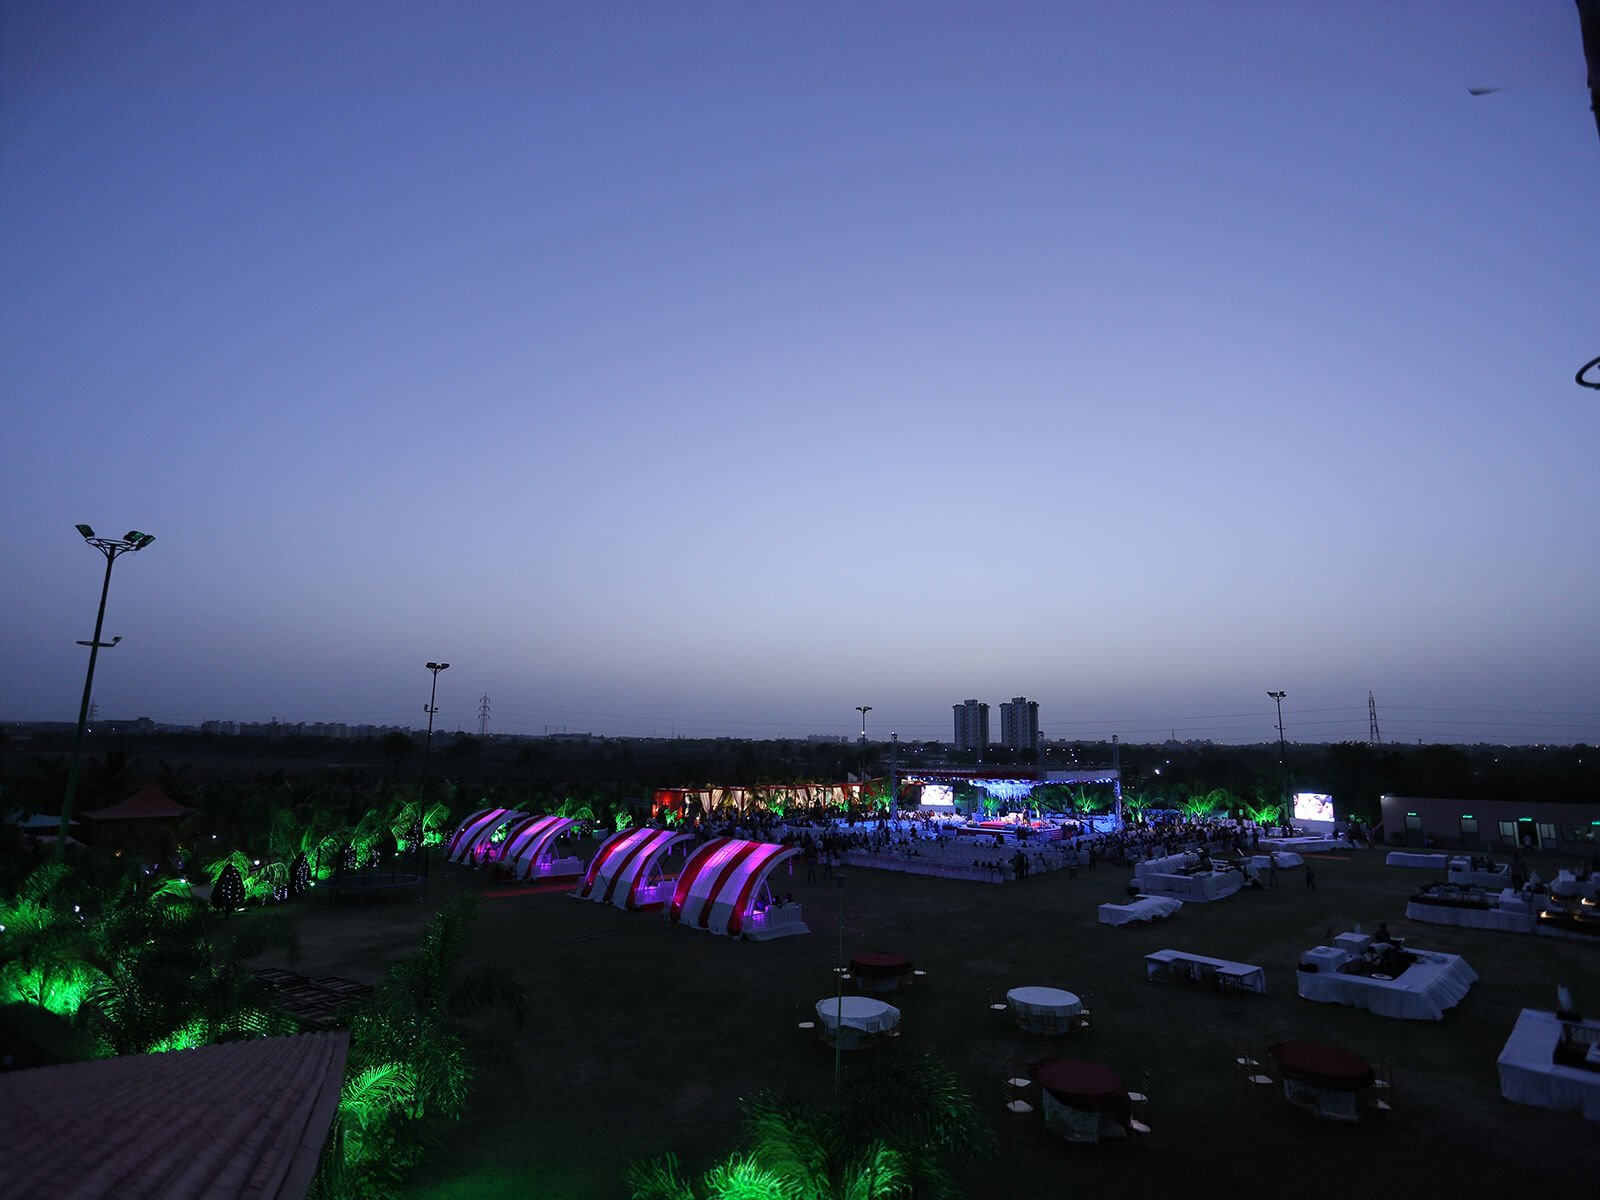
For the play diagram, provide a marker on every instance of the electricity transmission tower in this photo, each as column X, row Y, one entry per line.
column 483, row 715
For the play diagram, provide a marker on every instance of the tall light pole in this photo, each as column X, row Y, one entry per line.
column 427, row 748
column 863, row 709
column 1283, row 761
column 111, row 548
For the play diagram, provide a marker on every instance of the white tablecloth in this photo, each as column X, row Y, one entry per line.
column 1326, row 958
column 1493, row 879
column 1567, row 885
column 1211, row 885
column 1527, row 1076
column 1471, row 918
column 1171, row 864
column 1044, row 1009
column 1308, row 845
column 858, row 1012
column 1402, row 858
column 1422, row 993
column 1142, row 908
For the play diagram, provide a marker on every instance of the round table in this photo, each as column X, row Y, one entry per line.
column 1323, row 1066
column 1044, row 1009
column 1323, row 1080
column 850, row 1017
column 1084, row 1086
column 879, row 970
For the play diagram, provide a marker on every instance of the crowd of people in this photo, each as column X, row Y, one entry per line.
column 932, row 843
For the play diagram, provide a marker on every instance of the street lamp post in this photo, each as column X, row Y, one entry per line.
column 863, row 709
column 111, row 548
column 1283, row 761
column 427, row 747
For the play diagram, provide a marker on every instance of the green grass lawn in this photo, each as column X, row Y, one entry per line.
column 645, row 1036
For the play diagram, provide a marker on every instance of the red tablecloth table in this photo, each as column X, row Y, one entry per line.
column 1092, row 1087
column 879, row 970
column 879, row 962
column 1323, row 1066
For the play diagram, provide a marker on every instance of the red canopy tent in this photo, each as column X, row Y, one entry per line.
column 150, row 812
column 149, row 804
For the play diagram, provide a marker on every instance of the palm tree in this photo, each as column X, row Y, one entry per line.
column 901, row 1118
column 411, row 1022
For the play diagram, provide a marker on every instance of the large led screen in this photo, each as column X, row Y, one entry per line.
column 1313, row 806
column 938, row 795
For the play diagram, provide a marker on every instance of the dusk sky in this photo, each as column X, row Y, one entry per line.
column 714, row 368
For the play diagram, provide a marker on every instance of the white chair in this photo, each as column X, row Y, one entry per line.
column 1016, row 1084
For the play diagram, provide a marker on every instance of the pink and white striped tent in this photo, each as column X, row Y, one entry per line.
column 474, row 839
column 721, row 883
column 529, row 849
column 626, row 870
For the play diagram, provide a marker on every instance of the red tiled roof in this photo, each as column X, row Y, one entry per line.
column 151, row 802
column 241, row 1119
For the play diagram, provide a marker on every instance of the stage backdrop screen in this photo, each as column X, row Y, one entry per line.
column 938, row 795
column 1313, row 806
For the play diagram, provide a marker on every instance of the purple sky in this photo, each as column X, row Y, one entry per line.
column 715, row 368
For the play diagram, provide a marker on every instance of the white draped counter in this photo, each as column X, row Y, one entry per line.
column 1507, row 916
column 1202, row 887
column 1421, row 993
column 1569, row 886
column 1431, row 862
column 1462, row 872
column 1140, row 908
column 1529, row 1076
column 1307, row 845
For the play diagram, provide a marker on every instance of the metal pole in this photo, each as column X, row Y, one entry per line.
column 838, row 1003
column 863, row 709
column 1283, row 761
column 427, row 747
column 83, row 710
column 894, row 774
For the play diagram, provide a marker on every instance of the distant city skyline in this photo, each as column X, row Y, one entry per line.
column 1400, row 724
column 718, row 369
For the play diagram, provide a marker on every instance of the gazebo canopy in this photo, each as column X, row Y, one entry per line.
column 150, row 804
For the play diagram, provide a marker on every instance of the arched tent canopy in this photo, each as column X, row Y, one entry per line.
column 721, row 882
column 627, row 867
column 529, row 845
column 475, row 835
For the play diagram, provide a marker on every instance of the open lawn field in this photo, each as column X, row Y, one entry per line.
column 644, row 1036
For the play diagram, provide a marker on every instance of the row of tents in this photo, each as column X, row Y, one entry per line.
column 722, row 885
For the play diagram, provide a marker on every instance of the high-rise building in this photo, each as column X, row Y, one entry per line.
column 972, row 725
column 1019, row 724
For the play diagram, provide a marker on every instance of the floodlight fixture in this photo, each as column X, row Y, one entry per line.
column 86, row 531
